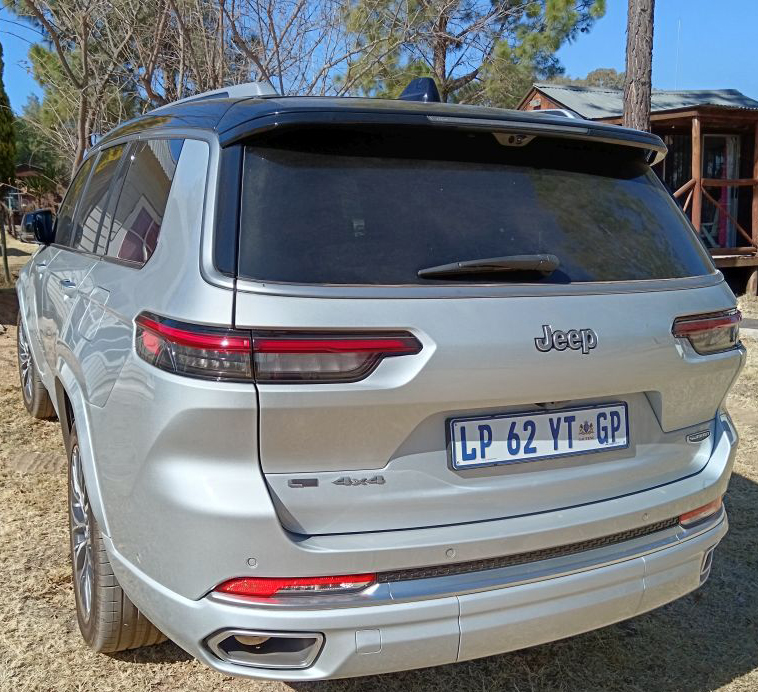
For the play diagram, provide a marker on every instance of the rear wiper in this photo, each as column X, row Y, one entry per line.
column 542, row 264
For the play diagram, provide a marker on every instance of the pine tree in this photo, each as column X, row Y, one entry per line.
column 477, row 51
column 7, row 159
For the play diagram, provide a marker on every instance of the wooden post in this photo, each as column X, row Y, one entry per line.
column 751, row 288
column 697, row 173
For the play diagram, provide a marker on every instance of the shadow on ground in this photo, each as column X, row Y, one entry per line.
column 18, row 252
column 696, row 644
column 8, row 305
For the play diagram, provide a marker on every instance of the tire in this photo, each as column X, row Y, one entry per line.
column 108, row 620
column 35, row 396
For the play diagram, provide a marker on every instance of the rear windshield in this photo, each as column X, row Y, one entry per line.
column 335, row 206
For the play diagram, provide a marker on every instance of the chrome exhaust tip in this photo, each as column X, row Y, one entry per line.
column 705, row 569
column 282, row 650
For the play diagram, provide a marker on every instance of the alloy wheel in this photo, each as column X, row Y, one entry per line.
column 25, row 365
column 81, row 535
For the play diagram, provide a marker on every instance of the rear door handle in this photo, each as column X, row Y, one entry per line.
column 41, row 266
column 67, row 284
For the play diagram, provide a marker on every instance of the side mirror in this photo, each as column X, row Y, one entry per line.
column 41, row 223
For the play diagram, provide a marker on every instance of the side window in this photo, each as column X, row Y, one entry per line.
column 65, row 219
column 142, row 201
column 91, row 212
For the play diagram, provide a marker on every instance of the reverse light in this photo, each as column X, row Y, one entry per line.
column 196, row 351
column 267, row 587
column 282, row 357
column 701, row 513
column 710, row 333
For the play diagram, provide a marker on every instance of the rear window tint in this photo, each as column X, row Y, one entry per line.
column 64, row 223
column 376, row 206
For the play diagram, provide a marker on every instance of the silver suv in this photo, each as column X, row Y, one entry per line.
column 350, row 386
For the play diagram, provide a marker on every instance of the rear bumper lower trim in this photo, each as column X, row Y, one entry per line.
column 439, row 630
column 392, row 587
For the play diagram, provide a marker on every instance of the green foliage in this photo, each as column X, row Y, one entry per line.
column 35, row 148
column 478, row 51
column 57, row 113
column 7, row 159
column 603, row 77
column 7, row 133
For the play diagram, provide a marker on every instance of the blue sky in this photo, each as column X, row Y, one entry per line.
column 717, row 43
column 16, row 38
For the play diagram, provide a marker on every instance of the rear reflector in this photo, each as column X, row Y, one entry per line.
column 266, row 587
column 710, row 333
column 196, row 351
column 322, row 357
column 701, row 513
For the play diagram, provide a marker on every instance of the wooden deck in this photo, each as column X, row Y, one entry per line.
column 738, row 258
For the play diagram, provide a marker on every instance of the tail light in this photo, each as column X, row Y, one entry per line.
column 701, row 513
column 710, row 333
column 279, row 357
column 268, row 587
column 192, row 350
column 319, row 357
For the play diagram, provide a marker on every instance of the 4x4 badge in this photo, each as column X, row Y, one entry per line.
column 575, row 339
column 350, row 481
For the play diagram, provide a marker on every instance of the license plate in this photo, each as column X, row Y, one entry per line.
column 514, row 438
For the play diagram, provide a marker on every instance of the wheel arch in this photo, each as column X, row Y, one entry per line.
column 72, row 409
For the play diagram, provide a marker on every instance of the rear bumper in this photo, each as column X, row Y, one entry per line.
column 390, row 637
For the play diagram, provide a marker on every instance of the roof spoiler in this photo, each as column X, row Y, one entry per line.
column 655, row 149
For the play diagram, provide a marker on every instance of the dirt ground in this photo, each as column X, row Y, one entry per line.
column 706, row 641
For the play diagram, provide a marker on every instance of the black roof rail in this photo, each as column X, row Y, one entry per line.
column 246, row 89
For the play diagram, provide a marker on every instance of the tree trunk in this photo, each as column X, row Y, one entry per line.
column 639, row 64
column 4, row 244
column 82, row 135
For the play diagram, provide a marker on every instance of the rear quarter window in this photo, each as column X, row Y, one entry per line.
column 376, row 206
column 142, row 199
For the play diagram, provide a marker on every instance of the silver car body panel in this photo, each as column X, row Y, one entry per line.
column 393, row 422
column 436, row 631
column 189, row 479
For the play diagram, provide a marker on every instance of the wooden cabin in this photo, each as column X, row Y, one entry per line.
column 711, row 167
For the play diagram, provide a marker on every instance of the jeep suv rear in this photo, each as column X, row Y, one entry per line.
column 352, row 386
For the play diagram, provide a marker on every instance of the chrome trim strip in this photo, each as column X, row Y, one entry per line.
column 479, row 290
column 214, row 640
column 486, row 580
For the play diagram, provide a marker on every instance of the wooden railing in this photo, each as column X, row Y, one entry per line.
column 695, row 188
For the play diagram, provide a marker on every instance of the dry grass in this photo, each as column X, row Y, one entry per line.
column 706, row 641
column 749, row 306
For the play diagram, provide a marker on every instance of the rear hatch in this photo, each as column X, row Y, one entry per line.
column 514, row 387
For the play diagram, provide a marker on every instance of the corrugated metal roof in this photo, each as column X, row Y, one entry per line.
column 594, row 102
